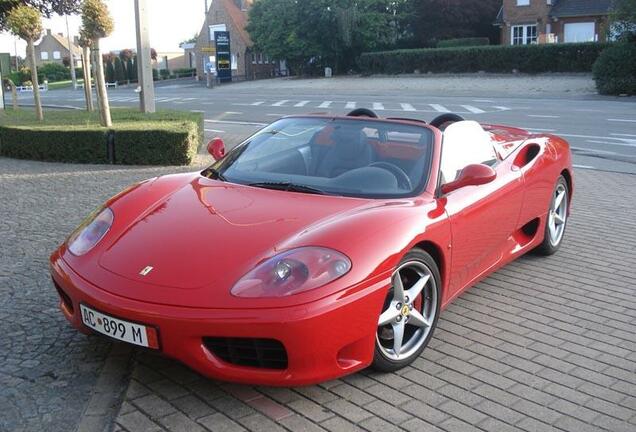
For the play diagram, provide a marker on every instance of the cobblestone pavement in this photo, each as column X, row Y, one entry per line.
column 47, row 369
column 544, row 344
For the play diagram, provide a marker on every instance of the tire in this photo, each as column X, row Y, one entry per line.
column 556, row 220
column 416, row 316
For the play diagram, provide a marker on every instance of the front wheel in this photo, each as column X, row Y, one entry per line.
column 556, row 219
column 410, row 312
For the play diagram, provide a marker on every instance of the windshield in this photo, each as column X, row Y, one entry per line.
column 357, row 157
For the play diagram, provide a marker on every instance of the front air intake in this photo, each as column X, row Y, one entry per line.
column 260, row 353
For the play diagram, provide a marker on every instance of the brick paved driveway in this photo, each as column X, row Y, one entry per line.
column 544, row 344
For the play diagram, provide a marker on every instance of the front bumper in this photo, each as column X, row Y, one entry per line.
column 324, row 340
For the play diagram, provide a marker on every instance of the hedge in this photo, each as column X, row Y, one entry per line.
column 615, row 70
column 506, row 59
column 463, row 42
column 162, row 138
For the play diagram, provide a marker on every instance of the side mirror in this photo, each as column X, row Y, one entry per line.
column 471, row 175
column 216, row 148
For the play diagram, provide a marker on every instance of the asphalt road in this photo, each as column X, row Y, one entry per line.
column 601, row 131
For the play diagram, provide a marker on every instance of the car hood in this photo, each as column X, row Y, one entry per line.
column 200, row 236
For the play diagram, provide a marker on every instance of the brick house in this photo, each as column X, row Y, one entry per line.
column 231, row 16
column 53, row 48
column 549, row 21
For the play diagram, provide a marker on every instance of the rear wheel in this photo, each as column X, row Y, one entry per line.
column 556, row 219
column 410, row 312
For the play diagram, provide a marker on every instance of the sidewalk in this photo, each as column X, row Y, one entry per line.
column 544, row 344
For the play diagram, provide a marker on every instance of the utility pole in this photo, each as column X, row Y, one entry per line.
column 71, row 56
column 144, row 66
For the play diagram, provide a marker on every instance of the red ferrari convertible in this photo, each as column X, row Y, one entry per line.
column 317, row 247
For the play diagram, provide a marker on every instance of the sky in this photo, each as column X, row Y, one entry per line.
column 170, row 22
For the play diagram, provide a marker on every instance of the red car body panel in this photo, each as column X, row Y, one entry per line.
column 202, row 235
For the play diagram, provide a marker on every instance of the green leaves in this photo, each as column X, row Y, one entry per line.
column 96, row 20
column 25, row 22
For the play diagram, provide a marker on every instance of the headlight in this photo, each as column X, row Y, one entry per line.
column 90, row 232
column 293, row 272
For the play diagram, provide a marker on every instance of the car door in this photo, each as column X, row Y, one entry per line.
column 482, row 219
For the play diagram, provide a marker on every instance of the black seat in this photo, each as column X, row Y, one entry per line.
column 350, row 150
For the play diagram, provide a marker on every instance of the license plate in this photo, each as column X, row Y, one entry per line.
column 119, row 329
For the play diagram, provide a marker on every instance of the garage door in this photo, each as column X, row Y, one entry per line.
column 579, row 32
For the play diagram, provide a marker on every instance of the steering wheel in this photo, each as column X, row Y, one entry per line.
column 404, row 182
column 440, row 120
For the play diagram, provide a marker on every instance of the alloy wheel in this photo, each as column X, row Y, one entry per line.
column 558, row 214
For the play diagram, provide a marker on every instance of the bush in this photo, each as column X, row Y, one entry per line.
column 523, row 58
column 162, row 138
column 184, row 71
column 615, row 70
column 155, row 74
column 463, row 42
column 54, row 72
column 164, row 73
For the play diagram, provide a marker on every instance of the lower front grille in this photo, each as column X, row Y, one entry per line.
column 66, row 300
column 261, row 353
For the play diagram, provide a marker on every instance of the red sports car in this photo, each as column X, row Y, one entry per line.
column 317, row 247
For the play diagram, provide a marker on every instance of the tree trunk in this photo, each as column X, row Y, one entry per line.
column 100, row 84
column 34, row 81
column 88, row 88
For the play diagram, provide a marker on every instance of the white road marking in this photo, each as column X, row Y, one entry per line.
column 622, row 120
column 588, row 150
column 543, row 116
column 620, row 144
column 473, row 109
column 190, row 99
column 407, row 107
column 483, row 100
column 233, row 112
column 280, row 103
column 235, row 122
column 197, row 111
column 207, row 103
column 502, row 108
column 350, row 105
column 537, row 129
column 275, row 115
column 215, row 130
column 439, row 108
column 622, row 134
column 583, row 166
column 595, row 137
column 302, row 103
column 325, row 104
column 258, row 103
column 378, row 106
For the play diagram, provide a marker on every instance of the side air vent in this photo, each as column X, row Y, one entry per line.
column 527, row 154
column 260, row 353
column 66, row 300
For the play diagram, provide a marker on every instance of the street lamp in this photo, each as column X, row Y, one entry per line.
column 144, row 67
column 71, row 56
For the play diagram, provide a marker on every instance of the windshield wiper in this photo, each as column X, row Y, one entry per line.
column 288, row 187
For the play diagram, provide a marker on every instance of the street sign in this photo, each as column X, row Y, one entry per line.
column 223, row 56
column 208, row 50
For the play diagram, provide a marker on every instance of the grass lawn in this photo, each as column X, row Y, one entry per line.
column 61, row 84
column 163, row 138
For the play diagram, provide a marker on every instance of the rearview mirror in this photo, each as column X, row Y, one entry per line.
column 471, row 175
column 216, row 147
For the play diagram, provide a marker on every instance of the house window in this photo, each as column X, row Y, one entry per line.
column 260, row 58
column 44, row 55
column 266, row 59
column 523, row 2
column 234, row 63
column 523, row 34
column 56, row 55
column 253, row 58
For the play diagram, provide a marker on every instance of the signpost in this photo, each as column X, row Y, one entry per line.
column 223, row 56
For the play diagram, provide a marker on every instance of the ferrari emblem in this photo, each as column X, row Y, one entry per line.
column 405, row 311
column 146, row 270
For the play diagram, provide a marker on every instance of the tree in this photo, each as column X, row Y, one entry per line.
column 120, row 73
column 96, row 24
column 623, row 20
column 131, row 70
column 45, row 7
column 85, row 43
column 109, row 69
column 25, row 22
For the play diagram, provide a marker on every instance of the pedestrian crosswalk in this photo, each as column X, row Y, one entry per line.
column 327, row 105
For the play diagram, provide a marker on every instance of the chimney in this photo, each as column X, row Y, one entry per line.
column 60, row 34
column 48, row 32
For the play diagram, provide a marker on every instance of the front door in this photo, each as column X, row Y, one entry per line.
column 482, row 219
